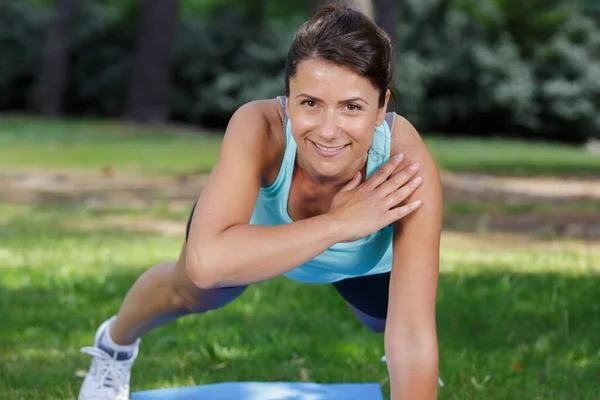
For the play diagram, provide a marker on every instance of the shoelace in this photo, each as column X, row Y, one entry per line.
column 108, row 371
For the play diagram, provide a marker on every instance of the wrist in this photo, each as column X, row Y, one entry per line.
column 332, row 228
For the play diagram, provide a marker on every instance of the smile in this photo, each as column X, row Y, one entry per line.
column 328, row 151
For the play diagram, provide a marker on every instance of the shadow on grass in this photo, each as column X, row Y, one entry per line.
column 534, row 335
column 502, row 334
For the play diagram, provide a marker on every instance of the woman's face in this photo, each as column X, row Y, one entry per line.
column 333, row 113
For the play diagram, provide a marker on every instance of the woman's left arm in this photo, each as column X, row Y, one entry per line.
column 411, row 345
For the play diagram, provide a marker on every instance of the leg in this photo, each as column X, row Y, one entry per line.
column 161, row 295
column 375, row 324
column 367, row 297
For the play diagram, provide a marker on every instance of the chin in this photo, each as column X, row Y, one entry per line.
column 329, row 169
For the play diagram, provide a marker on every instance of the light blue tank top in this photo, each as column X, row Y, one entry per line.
column 366, row 256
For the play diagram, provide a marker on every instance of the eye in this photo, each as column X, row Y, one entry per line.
column 309, row 103
column 353, row 107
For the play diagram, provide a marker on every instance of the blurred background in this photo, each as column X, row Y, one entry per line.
column 112, row 114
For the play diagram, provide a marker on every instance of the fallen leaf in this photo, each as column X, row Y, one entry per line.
column 220, row 365
column 516, row 366
column 107, row 171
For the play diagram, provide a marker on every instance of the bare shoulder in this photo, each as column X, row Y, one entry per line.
column 406, row 140
column 258, row 116
column 259, row 125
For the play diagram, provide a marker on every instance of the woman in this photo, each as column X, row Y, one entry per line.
column 320, row 186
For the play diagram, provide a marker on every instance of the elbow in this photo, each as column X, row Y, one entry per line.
column 200, row 269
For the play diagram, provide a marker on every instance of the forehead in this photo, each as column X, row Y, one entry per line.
column 321, row 77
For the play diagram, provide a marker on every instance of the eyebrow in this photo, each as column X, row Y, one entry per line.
column 350, row 100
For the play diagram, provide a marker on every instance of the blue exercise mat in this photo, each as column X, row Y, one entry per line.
column 267, row 391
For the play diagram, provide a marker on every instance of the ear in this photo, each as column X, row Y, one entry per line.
column 383, row 109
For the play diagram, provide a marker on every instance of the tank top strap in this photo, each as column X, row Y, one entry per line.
column 282, row 101
column 286, row 168
column 379, row 152
column 389, row 118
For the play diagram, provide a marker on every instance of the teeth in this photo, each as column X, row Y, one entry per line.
column 329, row 149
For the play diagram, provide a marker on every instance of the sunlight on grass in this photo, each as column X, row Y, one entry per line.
column 516, row 316
column 87, row 145
column 511, row 157
column 27, row 143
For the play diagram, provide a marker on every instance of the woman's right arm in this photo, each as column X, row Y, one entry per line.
column 223, row 249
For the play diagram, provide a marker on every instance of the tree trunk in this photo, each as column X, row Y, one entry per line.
column 148, row 99
column 364, row 6
column 387, row 17
column 52, row 76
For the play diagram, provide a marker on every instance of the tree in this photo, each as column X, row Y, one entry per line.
column 386, row 12
column 51, row 79
column 364, row 6
column 148, row 99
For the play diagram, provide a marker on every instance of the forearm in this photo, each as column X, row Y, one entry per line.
column 413, row 369
column 244, row 254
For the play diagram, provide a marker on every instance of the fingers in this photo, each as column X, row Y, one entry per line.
column 398, row 180
column 397, row 213
column 383, row 173
column 402, row 193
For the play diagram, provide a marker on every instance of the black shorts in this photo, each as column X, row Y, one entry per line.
column 367, row 293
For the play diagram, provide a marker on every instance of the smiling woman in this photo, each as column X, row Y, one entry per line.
column 320, row 186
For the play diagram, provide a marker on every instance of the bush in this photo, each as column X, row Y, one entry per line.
column 464, row 66
column 462, row 70
column 21, row 41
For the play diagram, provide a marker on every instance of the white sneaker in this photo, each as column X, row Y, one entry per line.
column 107, row 378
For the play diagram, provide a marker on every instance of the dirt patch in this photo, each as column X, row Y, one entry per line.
column 105, row 189
column 522, row 188
column 119, row 222
column 101, row 190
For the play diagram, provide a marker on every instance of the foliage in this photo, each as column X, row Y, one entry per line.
column 464, row 66
column 21, row 33
column 479, row 67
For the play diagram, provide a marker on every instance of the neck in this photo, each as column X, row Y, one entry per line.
column 333, row 183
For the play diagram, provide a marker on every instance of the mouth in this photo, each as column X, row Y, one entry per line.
column 328, row 151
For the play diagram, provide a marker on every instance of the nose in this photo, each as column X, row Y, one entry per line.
column 329, row 128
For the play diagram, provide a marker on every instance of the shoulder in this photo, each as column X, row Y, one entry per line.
column 406, row 140
column 260, row 117
column 259, row 125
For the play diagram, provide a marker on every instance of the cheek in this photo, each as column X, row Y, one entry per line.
column 360, row 129
column 302, row 122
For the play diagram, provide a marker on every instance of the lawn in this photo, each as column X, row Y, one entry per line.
column 55, row 144
column 517, row 317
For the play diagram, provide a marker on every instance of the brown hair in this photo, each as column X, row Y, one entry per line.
column 344, row 37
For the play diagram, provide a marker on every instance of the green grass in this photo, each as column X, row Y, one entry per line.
column 527, row 317
column 512, row 157
column 27, row 143
column 90, row 145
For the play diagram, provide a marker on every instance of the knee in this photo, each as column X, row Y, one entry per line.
column 376, row 325
column 202, row 300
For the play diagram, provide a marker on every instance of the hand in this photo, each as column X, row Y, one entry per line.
column 361, row 209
